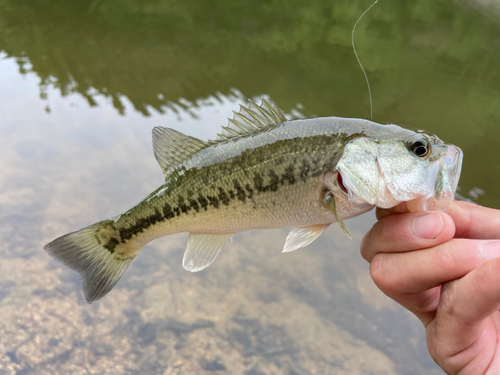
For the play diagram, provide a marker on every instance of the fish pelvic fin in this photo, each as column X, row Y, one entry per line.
column 99, row 264
column 301, row 237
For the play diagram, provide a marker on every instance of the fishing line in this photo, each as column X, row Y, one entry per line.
column 359, row 62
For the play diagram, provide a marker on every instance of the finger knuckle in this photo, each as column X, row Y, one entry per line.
column 481, row 282
column 424, row 301
column 448, row 361
column 381, row 273
column 439, row 349
column 448, row 301
column 376, row 240
column 377, row 269
column 386, row 231
column 445, row 256
column 433, row 344
column 364, row 246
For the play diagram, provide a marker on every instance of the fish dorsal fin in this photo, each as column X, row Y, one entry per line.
column 301, row 237
column 250, row 120
column 203, row 248
column 172, row 147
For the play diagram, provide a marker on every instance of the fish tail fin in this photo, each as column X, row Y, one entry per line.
column 99, row 264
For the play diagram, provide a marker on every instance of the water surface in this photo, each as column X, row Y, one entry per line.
column 81, row 87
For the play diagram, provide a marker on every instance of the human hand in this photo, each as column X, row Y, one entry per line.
column 445, row 268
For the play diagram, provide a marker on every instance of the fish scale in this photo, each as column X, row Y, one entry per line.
column 263, row 172
column 248, row 203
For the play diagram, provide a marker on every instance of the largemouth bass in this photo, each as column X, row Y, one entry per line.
column 263, row 171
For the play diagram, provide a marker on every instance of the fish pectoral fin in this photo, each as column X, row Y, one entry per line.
column 203, row 248
column 329, row 204
column 301, row 237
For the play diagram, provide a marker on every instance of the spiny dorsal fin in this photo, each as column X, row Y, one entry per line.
column 172, row 147
column 250, row 120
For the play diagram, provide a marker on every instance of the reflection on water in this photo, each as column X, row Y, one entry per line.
column 81, row 87
column 432, row 64
column 254, row 311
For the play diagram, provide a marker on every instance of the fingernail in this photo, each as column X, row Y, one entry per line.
column 428, row 226
column 490, row 250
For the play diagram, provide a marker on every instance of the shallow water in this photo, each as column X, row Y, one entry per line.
column 81, row 87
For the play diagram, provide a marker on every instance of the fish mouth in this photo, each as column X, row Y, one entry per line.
column 438, row 182
column 442, row 181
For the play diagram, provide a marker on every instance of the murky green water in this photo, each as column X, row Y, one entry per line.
column 82, row 85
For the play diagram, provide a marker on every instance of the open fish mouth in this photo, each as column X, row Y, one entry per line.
column 442, row 182
column 378, row 175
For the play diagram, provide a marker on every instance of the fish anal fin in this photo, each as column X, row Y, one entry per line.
column 303, row 236
column 172, row 147
column 203, row 248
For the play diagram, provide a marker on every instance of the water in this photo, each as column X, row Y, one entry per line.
column 81, row 87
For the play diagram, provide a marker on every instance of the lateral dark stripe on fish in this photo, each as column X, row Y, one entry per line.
column 223, row 195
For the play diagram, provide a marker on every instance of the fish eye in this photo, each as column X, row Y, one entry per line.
column 420, row 148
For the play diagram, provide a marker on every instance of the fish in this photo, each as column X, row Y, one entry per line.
column 264, row 171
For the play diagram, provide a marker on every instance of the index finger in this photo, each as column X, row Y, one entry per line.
column 474, row 221
column 399, row 209
column 471, row 220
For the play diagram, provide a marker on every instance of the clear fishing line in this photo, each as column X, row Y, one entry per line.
column 359, row 61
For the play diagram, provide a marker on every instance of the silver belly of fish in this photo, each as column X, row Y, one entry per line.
column 264, row 172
